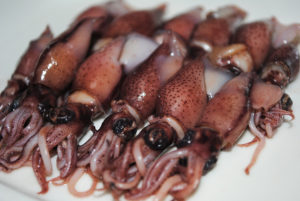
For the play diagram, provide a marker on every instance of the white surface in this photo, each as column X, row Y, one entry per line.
column 276, row 175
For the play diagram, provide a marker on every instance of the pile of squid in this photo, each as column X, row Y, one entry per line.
column 174, row 93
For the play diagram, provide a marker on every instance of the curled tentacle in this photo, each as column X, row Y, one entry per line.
column 194, row 172
column 25, row 121
column 117, row 128
column 187, row 164
column 90, row 95
column 88, row 101
column 269, row 102
column 138, row 95
column 39, row 171
column 72, row 57
column 121, row 185
column 270, row 105
column 84, row 151
column 66, row 156
column 57, row 133
column 123, row 127
column 261, row 142
column 75, row 178
column 16, row 160
column 45, row 154
column 65, row 137
column 87, row 98
column 177, row 110
column 23, row 74
column 178, row 172
column 54, row 72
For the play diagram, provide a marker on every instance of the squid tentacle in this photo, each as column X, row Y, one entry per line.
column 132, row 108
column 174, row 117
column 22, row 77
column 178, row 172
column 281, row 68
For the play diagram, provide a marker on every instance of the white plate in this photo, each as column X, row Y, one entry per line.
column 276, row 175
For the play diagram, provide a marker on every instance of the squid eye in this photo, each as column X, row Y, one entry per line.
column 157, row 138
column 61, row 115
column 124, row 128
column 16, row 103
column 56, row 115
column 121, row 124
column 210, row 163
column 286, row 102
column 183, row 162
column 187, row 139
column 44, row 108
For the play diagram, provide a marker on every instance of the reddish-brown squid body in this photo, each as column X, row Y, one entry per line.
column 178, row 172
column 178, row 107
column 137, row 101
column 23, row 74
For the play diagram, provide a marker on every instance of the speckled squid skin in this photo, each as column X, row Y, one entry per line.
column 143, row 22
column 185, row 23
column 58, row 63
column 214, row 31
column 229, row 112
column 184, row 96
column 97, row 77
column 257, row 37
column 101, row 72
column 140, row 88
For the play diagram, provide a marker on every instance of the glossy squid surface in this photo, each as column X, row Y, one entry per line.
column 23, row 74
column 83, row 103
column 178, row 172
column 137, row 100
column 59, row 60
column 176, row 111
column 92, row 89
column 199, row 85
